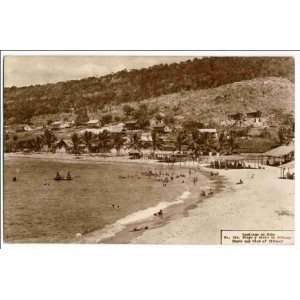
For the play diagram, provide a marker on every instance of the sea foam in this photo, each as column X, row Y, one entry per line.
column 111, row 230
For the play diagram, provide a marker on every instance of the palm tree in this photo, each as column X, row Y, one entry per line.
column 180, row 139
column 104, row 140
column 222, row 141
column 118, row 142
column 154, row 140
column 232, row 141
column 49, row 137
column 75, row 140
column 38, row 143
column 136, row 142
column 87, row 137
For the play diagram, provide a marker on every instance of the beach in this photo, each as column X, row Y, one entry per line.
column 262, row 202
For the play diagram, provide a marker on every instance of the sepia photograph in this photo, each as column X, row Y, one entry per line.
column 148, row 149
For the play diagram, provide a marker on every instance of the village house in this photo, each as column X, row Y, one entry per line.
column 212, row 132
column 93, row 123
column 256, row 115
column 63, row 146
column 135, row 154
column 131, row 125
column 57, row 125
column 253, row 119
column 236, row 116
column 116, row 129
column 279, row 155
column 146, row 139
column 161, row 129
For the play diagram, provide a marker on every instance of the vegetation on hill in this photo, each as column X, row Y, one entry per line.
column 21, row 104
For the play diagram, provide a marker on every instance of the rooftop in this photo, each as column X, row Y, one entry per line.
column 280, row 151
column 209, row 130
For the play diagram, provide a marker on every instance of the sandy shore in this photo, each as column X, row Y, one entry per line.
column 263, row 202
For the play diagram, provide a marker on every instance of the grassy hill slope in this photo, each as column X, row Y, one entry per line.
column 193, row 79
column 272, row 95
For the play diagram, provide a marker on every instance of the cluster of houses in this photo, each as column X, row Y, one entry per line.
column 157, row 136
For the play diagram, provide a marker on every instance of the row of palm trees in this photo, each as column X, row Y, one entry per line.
column 105, row 141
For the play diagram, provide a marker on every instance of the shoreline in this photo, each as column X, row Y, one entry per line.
column 263, row 202
column 114, row 232
column 172, row 213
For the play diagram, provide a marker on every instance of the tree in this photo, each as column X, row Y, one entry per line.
column 180, row 138
column 136, row 142
column 154, row 140
column 81, row 116
column 232, row 141
column 128, row 110
column 117, row 118
column 281, row 135
column 118, row 142
column 169, row 119
column 49, row 138
column 142, row 116
column 104, row 141
column 190, row 125
column 87, row 137
column 222, row 141
column 75, row 140
column 106, row 119
column 38, row 143
column 159, row 117
column 24, row 112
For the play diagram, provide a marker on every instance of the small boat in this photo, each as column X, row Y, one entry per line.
column 69, row 177
column 58, row 177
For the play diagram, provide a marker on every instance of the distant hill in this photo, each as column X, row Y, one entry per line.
column 273, row 96
column 211, row 87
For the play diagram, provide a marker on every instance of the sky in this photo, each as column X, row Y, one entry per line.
column 30, row 70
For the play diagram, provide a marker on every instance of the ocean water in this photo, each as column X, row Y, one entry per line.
column 40, row 209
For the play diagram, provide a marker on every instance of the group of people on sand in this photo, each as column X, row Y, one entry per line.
column 164, row 177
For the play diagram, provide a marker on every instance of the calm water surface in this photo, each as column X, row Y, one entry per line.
column 39, row 209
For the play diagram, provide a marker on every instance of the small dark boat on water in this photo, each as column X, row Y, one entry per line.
column 69, row 177
column 59, row 177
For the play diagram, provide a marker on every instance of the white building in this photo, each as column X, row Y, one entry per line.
column 94, row 123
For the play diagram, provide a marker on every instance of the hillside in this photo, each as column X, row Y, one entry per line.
column 273, row 96
column 203, row 84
